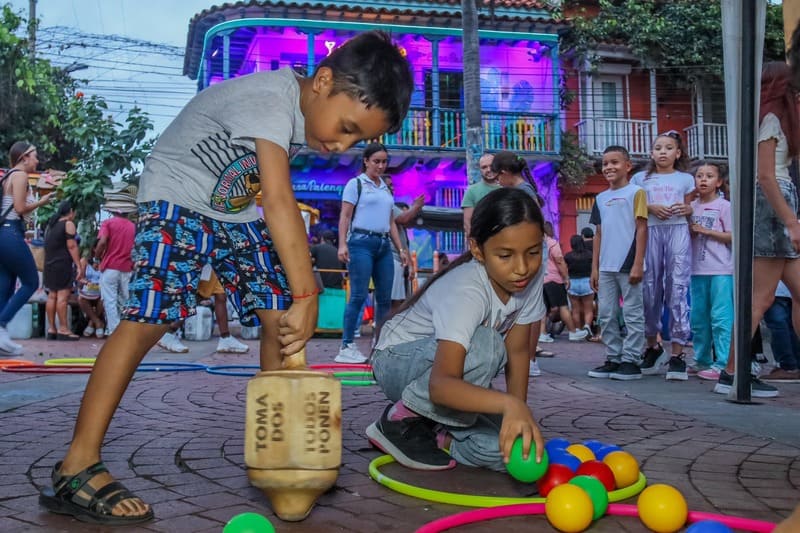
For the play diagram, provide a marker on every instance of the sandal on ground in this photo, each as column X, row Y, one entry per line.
column 51, row 335
column 89, row 331
column 72, row 495
column 67, row 337
column 100, row 333
column 543, row 353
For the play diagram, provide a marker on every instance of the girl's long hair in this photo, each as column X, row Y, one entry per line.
column 722, row 170
column 579, row 249
column 495, row 212
column 683, row 161
column 371, row 148
column 63, row 208
column 511, row 162
column 778, row 97
column 16, row 151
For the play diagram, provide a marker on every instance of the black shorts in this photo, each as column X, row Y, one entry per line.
column 555, row 294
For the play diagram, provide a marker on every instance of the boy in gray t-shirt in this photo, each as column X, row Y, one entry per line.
column 197, row 206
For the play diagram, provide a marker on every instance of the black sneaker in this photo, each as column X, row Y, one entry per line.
column 604, row 371
column 676, row 368
column 627, row 372
column 410, row 441
column 758, row 389
column 652, row 360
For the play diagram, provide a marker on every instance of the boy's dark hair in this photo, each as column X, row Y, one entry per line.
column 587, row 233
column 402, row 205
column 617, row 148
column 501, row 208
column 375, row 72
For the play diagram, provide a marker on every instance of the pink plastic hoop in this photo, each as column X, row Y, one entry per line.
column 616, row 509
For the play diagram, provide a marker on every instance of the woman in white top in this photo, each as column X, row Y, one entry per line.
column 16, row 261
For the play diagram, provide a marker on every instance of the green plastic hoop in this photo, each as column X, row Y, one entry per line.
column 471, row 500
column 88, row 361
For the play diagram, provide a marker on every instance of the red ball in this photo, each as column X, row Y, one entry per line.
column 599, row 470
column 556, row 475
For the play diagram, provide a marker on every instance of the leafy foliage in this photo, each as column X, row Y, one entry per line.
column 39, row 103
column 576, row 165
column 682, row 34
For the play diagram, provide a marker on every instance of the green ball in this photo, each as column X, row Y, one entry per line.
column 526, row 470
column 596, row 491
column 249, row 523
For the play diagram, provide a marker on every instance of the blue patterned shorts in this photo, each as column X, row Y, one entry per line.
column 172, row 246
column 770, row 237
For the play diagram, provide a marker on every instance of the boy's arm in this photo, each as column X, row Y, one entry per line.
column 468, row 220
column 637, row 270
column 291, row 243
column 595, row 277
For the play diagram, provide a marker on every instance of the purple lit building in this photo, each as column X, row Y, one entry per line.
column 519, row 86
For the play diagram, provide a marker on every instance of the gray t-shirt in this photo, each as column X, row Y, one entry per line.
column 205, row 160
column 453, row 307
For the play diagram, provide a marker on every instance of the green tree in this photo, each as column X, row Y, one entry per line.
column 685, row 35
column 39, row 103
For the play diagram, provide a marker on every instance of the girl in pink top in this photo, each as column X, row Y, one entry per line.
column 712, row 272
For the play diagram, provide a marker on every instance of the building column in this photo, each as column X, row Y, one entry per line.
column 568, row 225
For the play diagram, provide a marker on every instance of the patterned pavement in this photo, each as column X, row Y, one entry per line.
column 177, row 440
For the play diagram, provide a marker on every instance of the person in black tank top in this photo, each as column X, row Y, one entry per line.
column 60, row 254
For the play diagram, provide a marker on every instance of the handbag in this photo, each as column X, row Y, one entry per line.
column 37, row 251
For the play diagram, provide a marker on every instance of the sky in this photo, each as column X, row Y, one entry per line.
column 133, row 48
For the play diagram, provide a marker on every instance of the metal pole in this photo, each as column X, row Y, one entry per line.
column 744, row 237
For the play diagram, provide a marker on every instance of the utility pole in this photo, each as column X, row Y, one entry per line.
column 472, row 88
column 32, row 28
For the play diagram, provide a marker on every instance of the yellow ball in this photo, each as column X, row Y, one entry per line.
column 569, row 508
column 662, row 508
column 581, row 452
column 625, row 468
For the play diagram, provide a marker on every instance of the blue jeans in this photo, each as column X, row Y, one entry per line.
column 785, row 344
column 404, row 372
column 712, row 318
column 16, row 261
column 370, row 256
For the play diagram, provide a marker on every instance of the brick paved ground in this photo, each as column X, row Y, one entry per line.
column 177, row 441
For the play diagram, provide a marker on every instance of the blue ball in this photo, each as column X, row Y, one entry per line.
column 556, row 444
column 594, row 445
column 605, row 450
column 563, row 457
column 709, row 526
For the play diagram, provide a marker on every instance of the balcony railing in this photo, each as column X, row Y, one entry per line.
column 707, row 141
column 597, row 133
column 443, row 129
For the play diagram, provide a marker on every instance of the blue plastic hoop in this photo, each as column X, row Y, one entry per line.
column 170, row 366
column 226, row 370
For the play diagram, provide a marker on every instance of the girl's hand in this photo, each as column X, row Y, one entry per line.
column 344, row 253
column 594, row 280
column 297, row 325
column 681, row 210
column 661, row 211
column 636, row 275
column 518, row 422
column 794, row 234
column 698, row 229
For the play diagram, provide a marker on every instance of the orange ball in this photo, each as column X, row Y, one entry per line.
column 625, row 468
column 569, row 508
column 662, row 508
column 581, row 452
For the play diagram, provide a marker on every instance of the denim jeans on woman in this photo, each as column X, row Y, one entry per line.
column 370, row 256
column 785, row 344
column 404, row 371
column 16, row 262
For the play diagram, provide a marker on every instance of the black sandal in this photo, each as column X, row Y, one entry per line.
column 65, row 498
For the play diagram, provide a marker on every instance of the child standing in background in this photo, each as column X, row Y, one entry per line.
column 712, row 272
column 620, row 214
column 668, row 265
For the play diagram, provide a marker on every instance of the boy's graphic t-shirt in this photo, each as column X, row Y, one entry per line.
column 709, row 256
column 205, row 160
column 453, row 307
column 616, row 211
column 665, row 189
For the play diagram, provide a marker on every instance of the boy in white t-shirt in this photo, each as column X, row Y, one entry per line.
column 618, row 266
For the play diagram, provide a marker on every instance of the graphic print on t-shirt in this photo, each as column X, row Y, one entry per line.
column 706, row 218
column 237, row 170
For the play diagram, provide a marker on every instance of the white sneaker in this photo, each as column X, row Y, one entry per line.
column 545, row 337
column 231, row 344
column 578, row 335
column 534, row 369
column 171, row 343
column 350, row 353
column 8, row 346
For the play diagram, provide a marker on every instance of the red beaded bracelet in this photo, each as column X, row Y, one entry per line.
column 307, row 295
